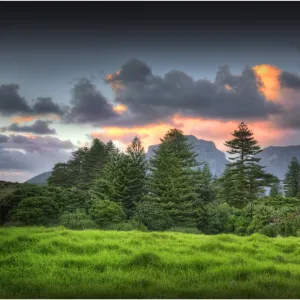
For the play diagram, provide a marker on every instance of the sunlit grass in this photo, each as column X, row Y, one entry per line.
column 40, row 262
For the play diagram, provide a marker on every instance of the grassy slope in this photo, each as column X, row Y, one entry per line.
column 59, row 263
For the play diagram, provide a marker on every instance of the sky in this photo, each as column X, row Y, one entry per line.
column 71, row 72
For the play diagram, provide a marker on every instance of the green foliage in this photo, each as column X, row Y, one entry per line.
column 292, row 179
column 105, row 213
column 60, row 175
column 36, row 211
column 216, row 219
column 276, row 189
column 206, row 185
column 245, row 177
column 134, row 178
column 77, row 220
column 173, row 180
column 10, row 199
column 153, row 216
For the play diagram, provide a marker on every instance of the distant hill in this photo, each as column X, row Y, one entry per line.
column 276, row 159
column 40, row 179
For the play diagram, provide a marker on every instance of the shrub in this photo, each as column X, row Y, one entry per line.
column 270, row 230
column 105, row 213
column 185, row 230
column 262, row 216
column 36, row 211
column 77, row 220
column 10, row 199
column 152, row 216
column 218, row 219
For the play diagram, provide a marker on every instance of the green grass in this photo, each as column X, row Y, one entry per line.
column 58, row 263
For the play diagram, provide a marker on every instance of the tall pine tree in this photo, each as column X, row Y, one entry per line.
column 292, row 179
column 172, row 182
column 245, row 176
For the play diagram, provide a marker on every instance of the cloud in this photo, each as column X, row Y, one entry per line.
column 35, row 143
column 289, row 80
column 12, row 104
column 152, row 99
column 45, row 106
column 31, row 154
column 38, row 127
column 88, row 105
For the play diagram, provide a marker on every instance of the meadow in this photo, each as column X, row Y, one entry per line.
column 38, row 262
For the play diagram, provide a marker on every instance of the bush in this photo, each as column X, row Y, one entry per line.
column 105, row 213
column 152, row 216
column 77, row 220
column 218, row 218
column 36, row 211
column 11, row 198
column 262, row 216
column 270, row 230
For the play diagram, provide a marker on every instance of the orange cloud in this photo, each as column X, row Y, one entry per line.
column 115, row 84
column 228, row 87
column 120, row 108
column 269, row 77
column 212, row 130
column 26, row 119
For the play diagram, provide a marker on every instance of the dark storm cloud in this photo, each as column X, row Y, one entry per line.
column 88, row 105
column 11, row 103
column 151, row 98
column 45, row 105
column 289, row 80
column 38, row 127
column 37, row 154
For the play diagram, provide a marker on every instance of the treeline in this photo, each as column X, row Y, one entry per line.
column 102, row 187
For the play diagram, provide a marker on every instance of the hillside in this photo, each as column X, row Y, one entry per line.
column 40, row 179
column 276, row 159
column 59, row 263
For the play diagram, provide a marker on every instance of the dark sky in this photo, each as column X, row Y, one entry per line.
column 46, row 46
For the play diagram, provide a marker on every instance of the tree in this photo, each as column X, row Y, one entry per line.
column 105, row 213
column 246, row 177
column 276, row 188
column 60, row 175
column 206, row 185
column 76, row 167
column 134, row 176
column 95, row 160
column 172, row 182
column 108, row 186
column 292, row 179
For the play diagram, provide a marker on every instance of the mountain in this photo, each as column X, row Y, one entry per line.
column 276, row 159
column 207, row 152
column 40, row 179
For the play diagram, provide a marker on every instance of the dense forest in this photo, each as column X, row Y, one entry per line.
column 103, row 187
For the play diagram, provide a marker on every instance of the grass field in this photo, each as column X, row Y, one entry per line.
column 59, row 263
